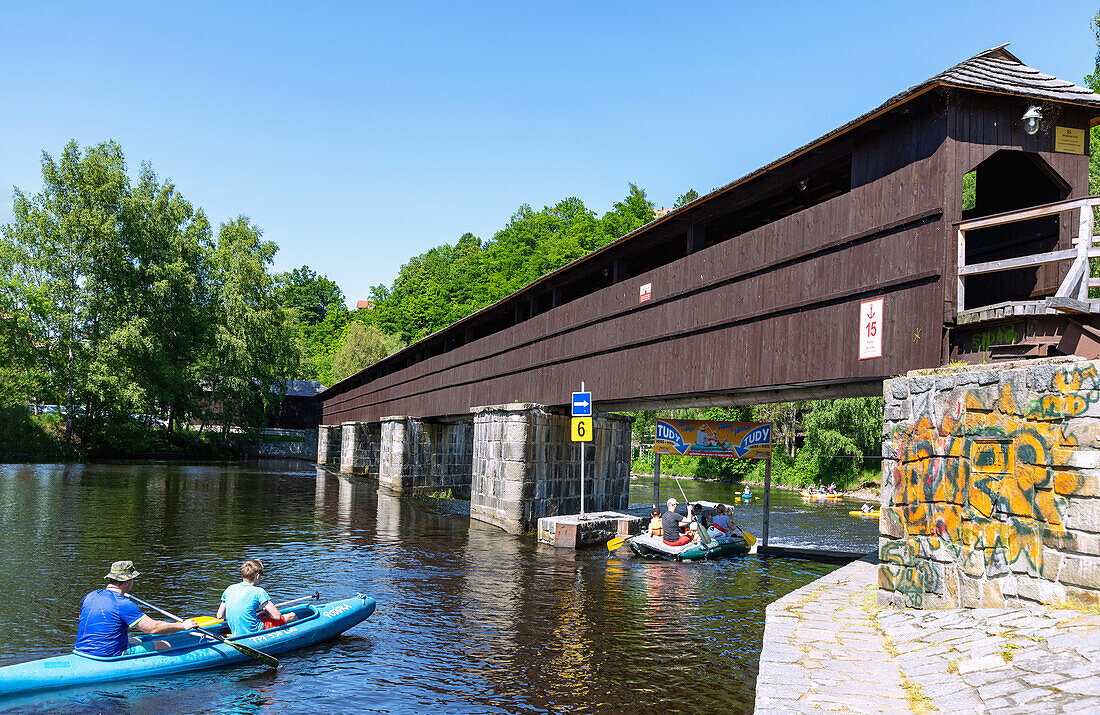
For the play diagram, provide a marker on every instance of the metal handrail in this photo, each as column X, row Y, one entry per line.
column 1076, row 282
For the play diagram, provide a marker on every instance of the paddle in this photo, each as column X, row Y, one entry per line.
column 250, row 652
column 207, row 621
column 615, row 543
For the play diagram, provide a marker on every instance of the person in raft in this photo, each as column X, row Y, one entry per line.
column 246, row 607
column 656, row 528
column 720, row 520
column 671, row 523
column 106, row 614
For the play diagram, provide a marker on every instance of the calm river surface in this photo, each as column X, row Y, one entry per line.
column 469, row 619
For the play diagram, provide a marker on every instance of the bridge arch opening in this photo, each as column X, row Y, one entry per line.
column 1009, row 180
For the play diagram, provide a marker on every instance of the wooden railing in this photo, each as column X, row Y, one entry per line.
column 1075, row 286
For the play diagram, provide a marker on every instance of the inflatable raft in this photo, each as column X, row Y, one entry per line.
column 190, row 650
column 820, row 495
column 721, row 546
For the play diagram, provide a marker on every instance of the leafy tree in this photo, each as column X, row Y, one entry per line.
column 685, row 198
column 363, row 345
column 253, row 350
column 313, row 296
column 841, row 433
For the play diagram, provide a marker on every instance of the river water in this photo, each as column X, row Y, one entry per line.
column 469, row 618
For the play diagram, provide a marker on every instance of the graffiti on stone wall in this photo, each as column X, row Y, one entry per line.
column 984, row 476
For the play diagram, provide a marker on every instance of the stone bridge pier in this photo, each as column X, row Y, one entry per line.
column 526, row 467
column 426, row 455
column 515, row 461
column 991, row 486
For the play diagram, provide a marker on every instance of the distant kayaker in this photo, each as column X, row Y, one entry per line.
column 246, row 607
column 866, row 509
column 671, row 522
column 106, row 613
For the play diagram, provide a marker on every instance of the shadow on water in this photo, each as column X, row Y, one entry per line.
column 469, row 619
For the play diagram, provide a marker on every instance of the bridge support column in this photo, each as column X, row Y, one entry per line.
column 328, row 445
column 422, row 454
column 525, row 466
column 991, row 486
column 359, row 448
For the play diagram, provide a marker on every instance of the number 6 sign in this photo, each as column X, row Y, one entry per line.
column 870, row 328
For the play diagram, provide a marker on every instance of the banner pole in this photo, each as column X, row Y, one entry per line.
column 767, row 497
column 656, row 479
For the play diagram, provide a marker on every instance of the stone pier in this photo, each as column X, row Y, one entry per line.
column 359, row 447
column 991, row 486
column 426, row 455
column 525, row 466
column 328, row 445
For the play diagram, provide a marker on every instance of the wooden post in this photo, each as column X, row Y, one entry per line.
column 767, row 499
column 656, row 478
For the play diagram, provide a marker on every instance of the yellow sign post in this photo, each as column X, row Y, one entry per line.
column 582, row 429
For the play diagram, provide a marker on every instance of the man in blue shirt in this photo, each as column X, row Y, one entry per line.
column 106, row 614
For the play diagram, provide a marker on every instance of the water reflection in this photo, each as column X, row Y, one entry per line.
column 469, row 619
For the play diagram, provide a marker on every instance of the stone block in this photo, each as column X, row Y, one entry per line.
column 1083, row 515
column 945, row 382
column 991, row 595
column 988, row 377
column 1081, row 571
column 971, row 592
column 897, row 388
column 920, row 384
column 1080, row 598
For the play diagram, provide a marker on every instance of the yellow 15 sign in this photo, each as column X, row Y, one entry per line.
column 582, row 429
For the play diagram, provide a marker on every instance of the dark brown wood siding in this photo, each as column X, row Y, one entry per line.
column 775, row 306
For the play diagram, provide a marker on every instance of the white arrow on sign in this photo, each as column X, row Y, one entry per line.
column 580, row 403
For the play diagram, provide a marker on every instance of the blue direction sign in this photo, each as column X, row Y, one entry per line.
column 582, row 404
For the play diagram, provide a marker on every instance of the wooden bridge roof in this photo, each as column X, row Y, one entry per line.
column 994, row 71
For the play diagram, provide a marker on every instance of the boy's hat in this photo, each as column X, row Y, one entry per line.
column 122, row 571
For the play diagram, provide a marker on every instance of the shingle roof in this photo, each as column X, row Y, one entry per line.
column 301, row 388
column 998, row 70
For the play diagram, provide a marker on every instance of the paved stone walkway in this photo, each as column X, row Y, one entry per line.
column 828, row 647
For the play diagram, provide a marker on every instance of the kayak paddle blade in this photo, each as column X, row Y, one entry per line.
column 615, row 543
column 749, row 538
column 208, row 621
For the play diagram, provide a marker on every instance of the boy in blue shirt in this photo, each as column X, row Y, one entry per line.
column 106, row 614
column 246, row 607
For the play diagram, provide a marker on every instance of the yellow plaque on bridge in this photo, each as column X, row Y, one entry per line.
column 1069, row 141
column 582, row 429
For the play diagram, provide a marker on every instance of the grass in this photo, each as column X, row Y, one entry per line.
column 1008, row 650
column 918, row 701
column 953, row 667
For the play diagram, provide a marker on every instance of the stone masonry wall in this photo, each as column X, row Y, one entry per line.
column 991, row 486
column 328, row 445
column 359, row 447
column 418, row 454
column 525, row 466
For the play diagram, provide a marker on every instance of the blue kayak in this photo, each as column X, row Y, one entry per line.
column 190, row 650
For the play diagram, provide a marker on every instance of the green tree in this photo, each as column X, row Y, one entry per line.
column 363, row 345
column 66, row 252
column 317, row 304
column 254, row 350
column 842, row 432
column 685, row 198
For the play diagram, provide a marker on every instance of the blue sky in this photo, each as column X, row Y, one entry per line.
column 358, row 135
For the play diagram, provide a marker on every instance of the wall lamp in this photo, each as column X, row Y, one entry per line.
column 1031, row 119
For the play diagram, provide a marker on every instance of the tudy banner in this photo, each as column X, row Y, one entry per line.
column 712, row 438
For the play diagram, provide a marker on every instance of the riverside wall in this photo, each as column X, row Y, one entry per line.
column 991, row 486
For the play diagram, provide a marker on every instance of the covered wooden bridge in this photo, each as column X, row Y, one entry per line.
column 961, row 203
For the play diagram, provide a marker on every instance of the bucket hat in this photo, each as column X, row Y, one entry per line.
column 122, row 571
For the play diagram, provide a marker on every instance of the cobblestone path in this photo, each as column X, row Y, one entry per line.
column 828, row 647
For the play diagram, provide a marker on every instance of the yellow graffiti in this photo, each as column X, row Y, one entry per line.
column 988, row 482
